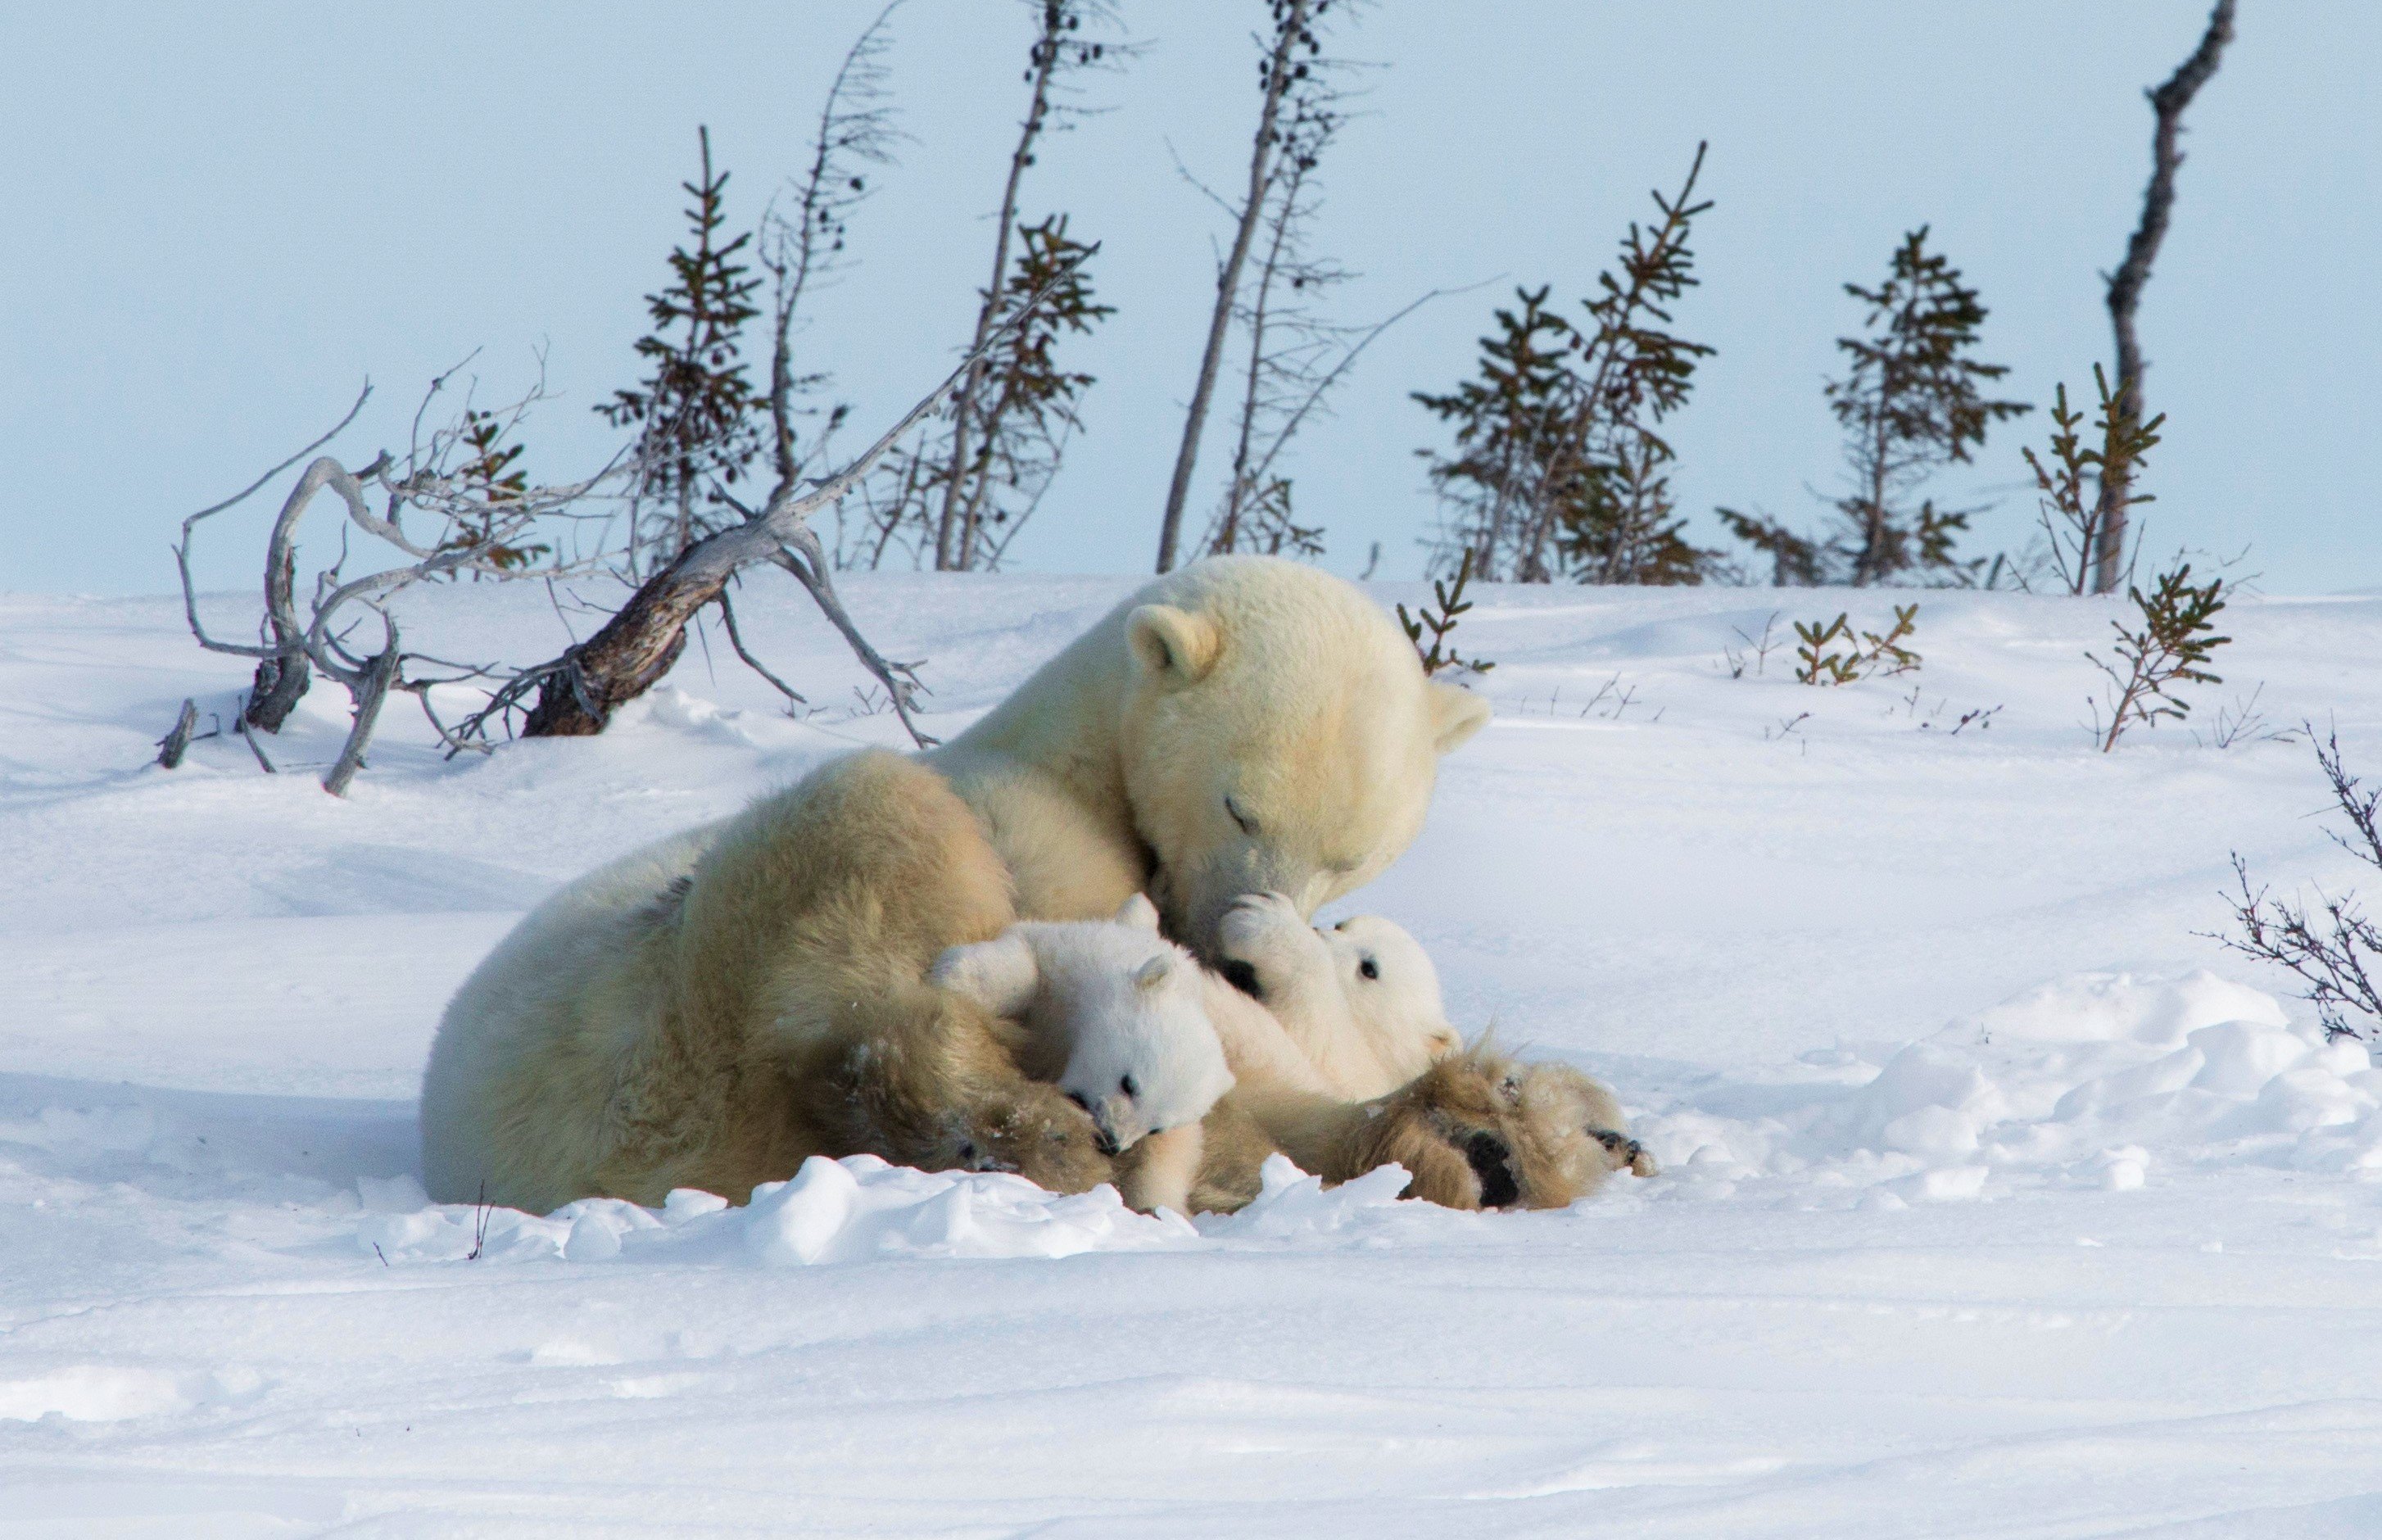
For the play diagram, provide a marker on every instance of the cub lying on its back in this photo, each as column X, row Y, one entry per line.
column 1115, row 1016
column 1361, row 1002
column 1138, row 1036
column 1361, row 999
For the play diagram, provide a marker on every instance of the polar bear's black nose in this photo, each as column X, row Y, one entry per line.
column 1242, row 977
column 1104, row 1141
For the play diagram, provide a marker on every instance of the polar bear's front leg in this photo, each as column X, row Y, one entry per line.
column 1160, row 1171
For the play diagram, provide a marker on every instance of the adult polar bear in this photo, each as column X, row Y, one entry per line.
column 711, row 1010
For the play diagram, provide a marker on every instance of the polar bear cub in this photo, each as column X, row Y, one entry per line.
column 1362, row 1002
column 1115, row 1016
column 1361, row 999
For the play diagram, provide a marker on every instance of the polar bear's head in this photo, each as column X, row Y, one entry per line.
column 1115, row 1014
column 1392, row 992
column 1279, row 736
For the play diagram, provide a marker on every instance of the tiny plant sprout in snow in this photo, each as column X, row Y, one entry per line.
column 1113, row 1014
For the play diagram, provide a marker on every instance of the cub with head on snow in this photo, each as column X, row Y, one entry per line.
column 1136, row 1033
column 1115, row 1016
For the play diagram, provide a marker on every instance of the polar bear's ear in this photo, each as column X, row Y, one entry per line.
column 1152, row 974
column 1173, row 646
column 1455, row 715
column 1001, row 975
column 1139, row 913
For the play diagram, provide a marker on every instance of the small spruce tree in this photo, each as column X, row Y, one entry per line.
column 1027, row 407
column 1910, row 404
column 1559, row 467
column 694, row 411
column 1510, row 422
column 495, row 489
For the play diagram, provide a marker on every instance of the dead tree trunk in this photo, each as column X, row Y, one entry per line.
column 2168, row 102
column 280, row 680
column 1288, row 31
column 632, row 652
column 950, row 529
column 579, row 691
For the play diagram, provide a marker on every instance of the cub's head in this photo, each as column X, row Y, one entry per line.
column 1124, row 1006
column 1393, row 991
column 1279, row 736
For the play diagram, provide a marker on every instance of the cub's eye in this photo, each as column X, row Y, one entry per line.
column 1077, row 1098
column 1368, row 969
column 1248, row 825
column 1130, row 1087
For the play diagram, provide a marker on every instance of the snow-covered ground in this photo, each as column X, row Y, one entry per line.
column 1998, row 1200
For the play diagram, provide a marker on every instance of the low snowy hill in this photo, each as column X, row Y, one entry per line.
column 1998, row 1198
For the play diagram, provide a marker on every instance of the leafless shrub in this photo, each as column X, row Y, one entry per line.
column 1295, row 30
column 1756, row 651
column 2331, row 946
column 484, row 528
column 2242, row 723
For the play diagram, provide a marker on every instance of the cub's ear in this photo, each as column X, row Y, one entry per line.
column 1152, row 974
column 1001, row 974
column 1139, row 913
column 1455, row 715
column 1173, row 646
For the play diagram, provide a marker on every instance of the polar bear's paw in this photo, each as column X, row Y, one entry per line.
column 1626, row 1154
column 1037, row 1133
column 1480, row 1130
column 1266, row 948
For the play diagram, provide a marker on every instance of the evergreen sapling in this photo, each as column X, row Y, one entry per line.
column 1910, row 404
column 2169, row 645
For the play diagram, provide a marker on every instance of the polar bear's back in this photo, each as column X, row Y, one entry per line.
column 524, row 1053
column 639, row 1029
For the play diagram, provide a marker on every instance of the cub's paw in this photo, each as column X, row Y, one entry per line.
column 1480, row 1130
column 1038, row 1134
column 1264, row 945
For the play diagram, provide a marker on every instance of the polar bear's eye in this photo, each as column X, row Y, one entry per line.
column 1077, row 1098
column 1368, row 969
column 1131, row 1088
column 1248, row 825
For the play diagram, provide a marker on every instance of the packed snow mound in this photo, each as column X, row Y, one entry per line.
column 850, row 1210
column 2088, row 1080
column 860, row 1209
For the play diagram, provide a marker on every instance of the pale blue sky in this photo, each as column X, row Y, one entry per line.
column 214, row 221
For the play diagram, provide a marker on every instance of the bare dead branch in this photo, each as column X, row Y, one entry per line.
column 808, row 564
column 2168, row 104
column 248, row 734
column 1291, row 26
column 736, row 639
column 484, row 523
column 177, row 741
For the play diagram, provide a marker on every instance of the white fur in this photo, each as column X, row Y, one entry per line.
column 1115, row 1016
column 1361, row 1000
column 1243, row 724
